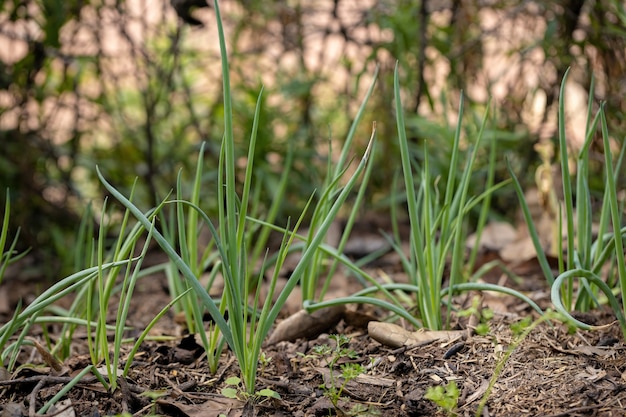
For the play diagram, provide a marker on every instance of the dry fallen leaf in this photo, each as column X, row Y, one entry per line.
column 12, row 410
column 495, row 236
column 595, row 350
column 66, row 409
column 394, row 336
column 49, row 358
column 211, row 408
column 478, row 393
column 303, row 324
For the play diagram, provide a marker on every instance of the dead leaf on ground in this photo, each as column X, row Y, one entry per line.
column 495, row 236
column 303, row 324
column 394, row 336
column 478, row 393
column 211, row 408
column 12, row 410
column 66, row 409
column 48, row 358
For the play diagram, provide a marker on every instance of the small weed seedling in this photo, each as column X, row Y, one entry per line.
column 235, row 390
column 446, row 397
column 334, row 387
column 482, row 316
column 264, row 360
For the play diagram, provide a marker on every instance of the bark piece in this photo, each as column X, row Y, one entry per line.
column 303, row 324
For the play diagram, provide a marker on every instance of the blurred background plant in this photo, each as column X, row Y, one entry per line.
column 134, row 86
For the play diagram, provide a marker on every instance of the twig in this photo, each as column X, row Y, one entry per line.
column 126, row 394
column 33, row 396
column 50, row 379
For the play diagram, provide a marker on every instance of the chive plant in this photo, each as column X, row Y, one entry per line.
column 331, row 185
column 438, row 223
column 34, row 314
column 182, row 229
column 93, row 289
column 579, row 284
column 437, row 238
column 247, row 325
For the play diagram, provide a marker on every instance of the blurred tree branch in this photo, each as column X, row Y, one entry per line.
column 134, row 87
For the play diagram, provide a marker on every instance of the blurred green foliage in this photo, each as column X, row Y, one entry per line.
column 134, row 89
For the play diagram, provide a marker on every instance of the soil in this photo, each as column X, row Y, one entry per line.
column 551, row 372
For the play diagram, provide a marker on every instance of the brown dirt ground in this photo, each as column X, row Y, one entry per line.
column 551, row 372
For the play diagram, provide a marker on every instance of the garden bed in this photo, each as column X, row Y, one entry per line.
column 551, row 372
